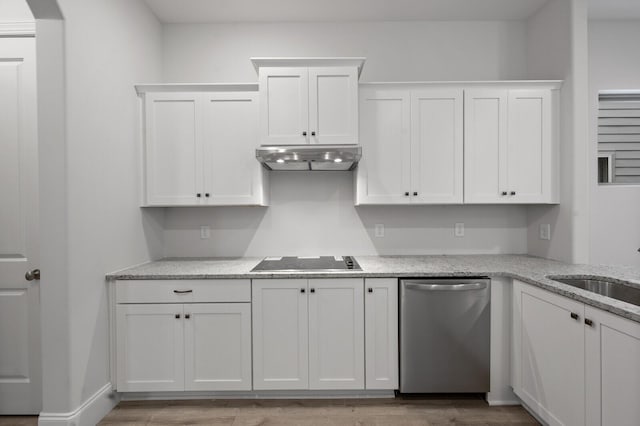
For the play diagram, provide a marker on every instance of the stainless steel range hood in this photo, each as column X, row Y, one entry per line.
column 309, row 157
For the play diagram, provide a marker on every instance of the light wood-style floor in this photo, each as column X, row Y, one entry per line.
column 311, row 412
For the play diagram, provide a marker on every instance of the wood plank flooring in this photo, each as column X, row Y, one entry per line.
column 309, row 412
column 312, row 412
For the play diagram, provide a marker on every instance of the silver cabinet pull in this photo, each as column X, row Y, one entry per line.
column 446, row 287
column 182, row 291
column 33, row 274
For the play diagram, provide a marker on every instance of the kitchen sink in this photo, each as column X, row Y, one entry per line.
column 603, row 286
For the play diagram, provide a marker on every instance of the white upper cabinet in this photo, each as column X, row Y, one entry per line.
column 436, row 146
column 284, row 108
column 333, row 105
column 232, row 176
column 412, row 145
column 384, row 172
column 199, row 147
column 485, row 150
column 308, row 100
column 173, row 148
column 511, row 151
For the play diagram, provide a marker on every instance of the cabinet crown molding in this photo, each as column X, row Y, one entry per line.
column 358, row 62
column 196, row 87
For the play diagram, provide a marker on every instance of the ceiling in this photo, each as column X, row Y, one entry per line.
column 220, row 11
column 614, row 9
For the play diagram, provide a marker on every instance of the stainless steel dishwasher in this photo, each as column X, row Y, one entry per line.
column 444, row 335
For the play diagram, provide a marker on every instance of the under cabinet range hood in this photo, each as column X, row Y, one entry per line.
column 309, row 157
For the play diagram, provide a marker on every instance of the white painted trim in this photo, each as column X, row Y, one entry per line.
column 89, row 413
column 292, row 394
column 521, row 84
column 18, row 29
column 309, row 62
column 196, row 87
column 498, row 402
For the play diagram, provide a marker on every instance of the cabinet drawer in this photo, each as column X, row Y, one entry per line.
column 182, row 291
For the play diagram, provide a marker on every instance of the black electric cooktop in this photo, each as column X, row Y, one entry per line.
column 308, row 263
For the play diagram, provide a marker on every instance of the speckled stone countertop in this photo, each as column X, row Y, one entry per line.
column 529, row 269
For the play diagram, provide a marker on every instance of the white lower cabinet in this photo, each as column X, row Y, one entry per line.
column 174, row 347
column 336, row 334
column 217, row 346
column 308, row 334
column 381, row 333
column 280, row 334
column 150, row 354
column 549, row 354
column 612, row 369
column 182, row 335
column 574, row 364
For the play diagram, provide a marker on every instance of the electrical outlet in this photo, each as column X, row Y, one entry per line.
column 458, row 231
column 379, row 230
column 205, row 232
column 545, row 231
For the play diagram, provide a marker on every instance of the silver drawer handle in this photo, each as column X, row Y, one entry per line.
column 447, row 287
column 182, row 291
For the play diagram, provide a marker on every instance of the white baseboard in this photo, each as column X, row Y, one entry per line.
column 503, row 402
column 297, row 394
column 88, row 414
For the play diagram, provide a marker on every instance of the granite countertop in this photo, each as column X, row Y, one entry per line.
column 529, row 269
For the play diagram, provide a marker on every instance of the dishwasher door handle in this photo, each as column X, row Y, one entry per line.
column 445, row 287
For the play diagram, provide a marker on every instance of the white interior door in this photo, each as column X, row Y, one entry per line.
column 20, row 370
column 384, row 171
column 436, row 146
column 336, row 334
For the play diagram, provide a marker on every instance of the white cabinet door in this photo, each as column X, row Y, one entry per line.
column 612, row 369
column 217, row 346
column 437, row 146
column 384, row 172
column 529, row 156
column 232, row 176
column 485, row 150
column 336, row 334
column 284, row 105
column 381, row 333
column 280, row 334
column 333, row 105
column 549, row 355
column 174, row 153
column 150, row 347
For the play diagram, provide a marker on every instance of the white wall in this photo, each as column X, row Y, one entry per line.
column 556, row 49
column 314, row 213
column 402, row 51
column 109, row 46
column 15, row 11
column 614, row 63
